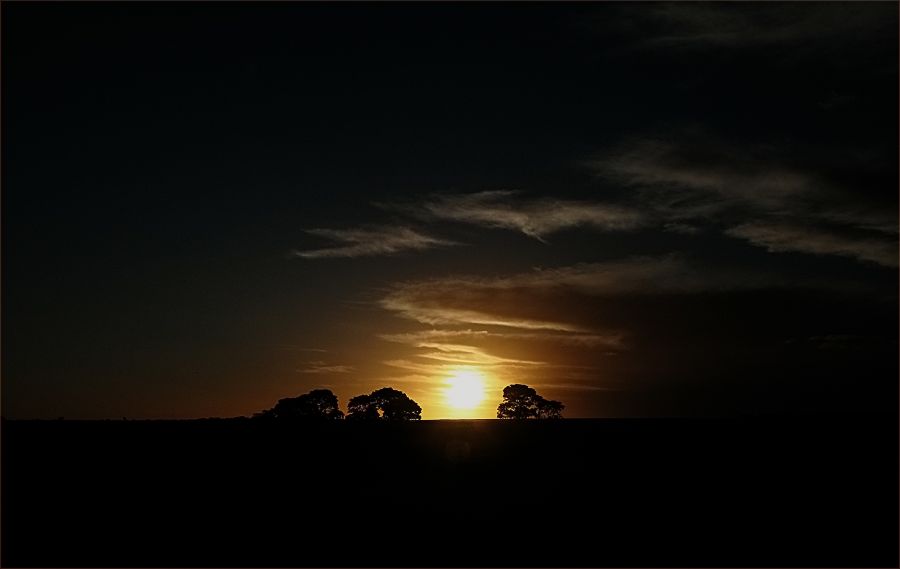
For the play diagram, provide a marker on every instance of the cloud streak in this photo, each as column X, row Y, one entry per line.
column 806, row 27
column 321, row 367
column 366, row 242
column 469, row 355
column 535, row 217
column 544, row 301
column 691, row 174
column 688, row 178
column 783, row 237
column 421, row 337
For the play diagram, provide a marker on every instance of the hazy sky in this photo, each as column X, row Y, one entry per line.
column 637, row 209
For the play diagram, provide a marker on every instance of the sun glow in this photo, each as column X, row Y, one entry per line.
column 465, row 388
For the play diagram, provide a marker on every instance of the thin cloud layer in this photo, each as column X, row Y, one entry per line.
column 439, row 353
column 429, row 372
column 692, row 177
column 543, row 299
column 423, row 303
column 783, row 237
column 321, row 367
column 535, row 217
column 422, row 337
column 704, row 25
column 691, row 173
column 365, row 242
column 575, row 387
column 468, row 355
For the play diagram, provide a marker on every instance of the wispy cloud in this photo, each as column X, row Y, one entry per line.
column 535, row 217
column 691, row 177
column 439, row 352
column 805, row 26
column 321, row 367
column 422, row 337
column 781, row 237
column 575, row 387
column 424, row 304
column 364, row 242
column 427, row 369
column 691, row 173
column 425, row 372
column 466, row 354
column 546, row 299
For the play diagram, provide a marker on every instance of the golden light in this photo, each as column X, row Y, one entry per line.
column 465, row 388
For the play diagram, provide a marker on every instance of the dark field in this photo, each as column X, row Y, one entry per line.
column 641, row 492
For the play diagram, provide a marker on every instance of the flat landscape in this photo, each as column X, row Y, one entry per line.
column 816, row 491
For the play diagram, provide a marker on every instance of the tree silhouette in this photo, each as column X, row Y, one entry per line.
column 523, row 402
column 361, row 407
column 384, row 403
column 549, row 409
column 318, row 404
column 519, row 402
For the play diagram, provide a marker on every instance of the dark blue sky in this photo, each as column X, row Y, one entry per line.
column 637, row 208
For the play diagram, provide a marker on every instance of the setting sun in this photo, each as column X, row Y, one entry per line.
column 465, row 388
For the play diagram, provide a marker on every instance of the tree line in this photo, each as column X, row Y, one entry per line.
column 519, row 402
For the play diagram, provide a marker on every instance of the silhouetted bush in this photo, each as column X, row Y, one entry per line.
column 523, row 402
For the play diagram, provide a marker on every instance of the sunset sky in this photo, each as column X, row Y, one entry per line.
column 636, row 209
